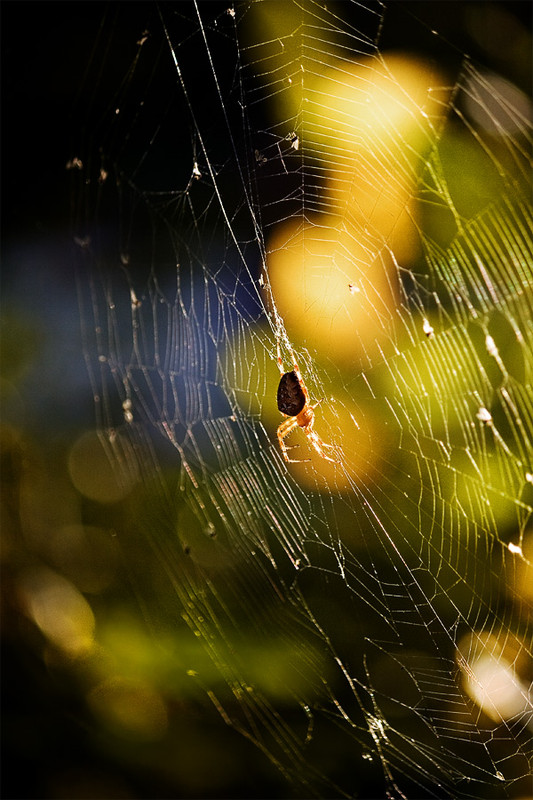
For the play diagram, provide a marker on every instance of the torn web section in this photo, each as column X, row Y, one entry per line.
column 343, row 609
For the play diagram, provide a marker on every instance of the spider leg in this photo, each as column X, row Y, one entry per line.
column 318, row 444
column 314, row 434
column 295, row 366
column 284, row 429
column 280, row 360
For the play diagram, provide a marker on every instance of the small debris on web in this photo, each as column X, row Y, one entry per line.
column 74, row 163
column 210, row 530
column 83, row 242
column 491, row 346
column 484, row 415
column 126, row 407
column 428, row 329
column 144, row 36
column 294, row 139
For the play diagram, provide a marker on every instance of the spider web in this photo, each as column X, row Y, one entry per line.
column 282, row 173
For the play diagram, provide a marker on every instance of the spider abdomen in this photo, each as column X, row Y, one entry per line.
column 291, row 398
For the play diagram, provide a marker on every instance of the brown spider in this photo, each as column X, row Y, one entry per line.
column 293, row 402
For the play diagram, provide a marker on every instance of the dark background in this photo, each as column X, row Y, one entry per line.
column 50, row 746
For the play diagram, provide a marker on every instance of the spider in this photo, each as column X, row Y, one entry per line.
column 293, row 402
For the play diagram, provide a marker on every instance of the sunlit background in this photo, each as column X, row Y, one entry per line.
column 98, row 701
